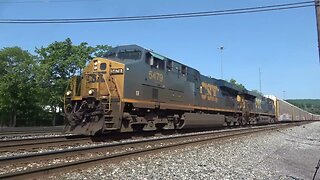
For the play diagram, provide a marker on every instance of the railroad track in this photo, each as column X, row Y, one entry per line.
column 42, row 164
column 26, row 133
column 33, row 144
column 18, row 131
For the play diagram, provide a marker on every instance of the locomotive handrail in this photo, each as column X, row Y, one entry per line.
column 98, row 88
column 109, row 92
column 116, row 83
column 119, row 94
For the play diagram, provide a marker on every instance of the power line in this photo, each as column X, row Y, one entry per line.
column 181, row 14
column 166, row 16
column 42, row 1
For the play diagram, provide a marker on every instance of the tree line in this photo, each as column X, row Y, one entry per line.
column 32, row 86
column 310, row 105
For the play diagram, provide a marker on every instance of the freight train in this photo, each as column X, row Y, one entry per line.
column 135, row 89
column 288, row 112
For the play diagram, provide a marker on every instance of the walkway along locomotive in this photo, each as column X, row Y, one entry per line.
column 135, row 89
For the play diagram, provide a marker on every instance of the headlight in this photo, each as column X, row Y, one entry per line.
column 68, row 93
column 90, row 92
column 95, row 63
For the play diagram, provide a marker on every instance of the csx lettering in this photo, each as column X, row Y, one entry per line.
column 258, row 103
column 93, row 78
column 155, row 76
column 210, row 92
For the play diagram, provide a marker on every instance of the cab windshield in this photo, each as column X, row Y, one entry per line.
column 125, row 54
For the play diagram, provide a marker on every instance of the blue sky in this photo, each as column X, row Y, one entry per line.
column 283, row 44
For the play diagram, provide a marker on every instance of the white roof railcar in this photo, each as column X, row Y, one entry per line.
column 289, row 112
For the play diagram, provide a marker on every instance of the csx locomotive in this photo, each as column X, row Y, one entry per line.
column 135, row 89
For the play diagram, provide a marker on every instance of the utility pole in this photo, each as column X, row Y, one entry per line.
column 317, row 6
column 221, row 49
column 260, row 80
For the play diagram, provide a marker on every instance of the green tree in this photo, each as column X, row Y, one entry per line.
column 310, row 105
column 100, row 50
column 32, row 87
column 17, row 85
column 258, row 92
column 57, row 64
column 234, row 82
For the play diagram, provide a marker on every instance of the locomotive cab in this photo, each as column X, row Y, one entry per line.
column 95, row 101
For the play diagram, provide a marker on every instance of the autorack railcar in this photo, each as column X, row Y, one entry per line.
column 288, row 112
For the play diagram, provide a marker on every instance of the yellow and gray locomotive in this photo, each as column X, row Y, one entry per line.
column 135, row 89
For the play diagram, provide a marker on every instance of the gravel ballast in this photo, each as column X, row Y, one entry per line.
column 290, row 153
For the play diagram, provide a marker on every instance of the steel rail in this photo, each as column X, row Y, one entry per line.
column 127, row 149
column 42, row 142
column 29, row 130
column 29, row 133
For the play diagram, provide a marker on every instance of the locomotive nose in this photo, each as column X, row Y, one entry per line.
column 90, row 100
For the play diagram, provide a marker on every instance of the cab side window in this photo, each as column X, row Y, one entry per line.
column 183, row 69
column 169, row 65
column 154, row 62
